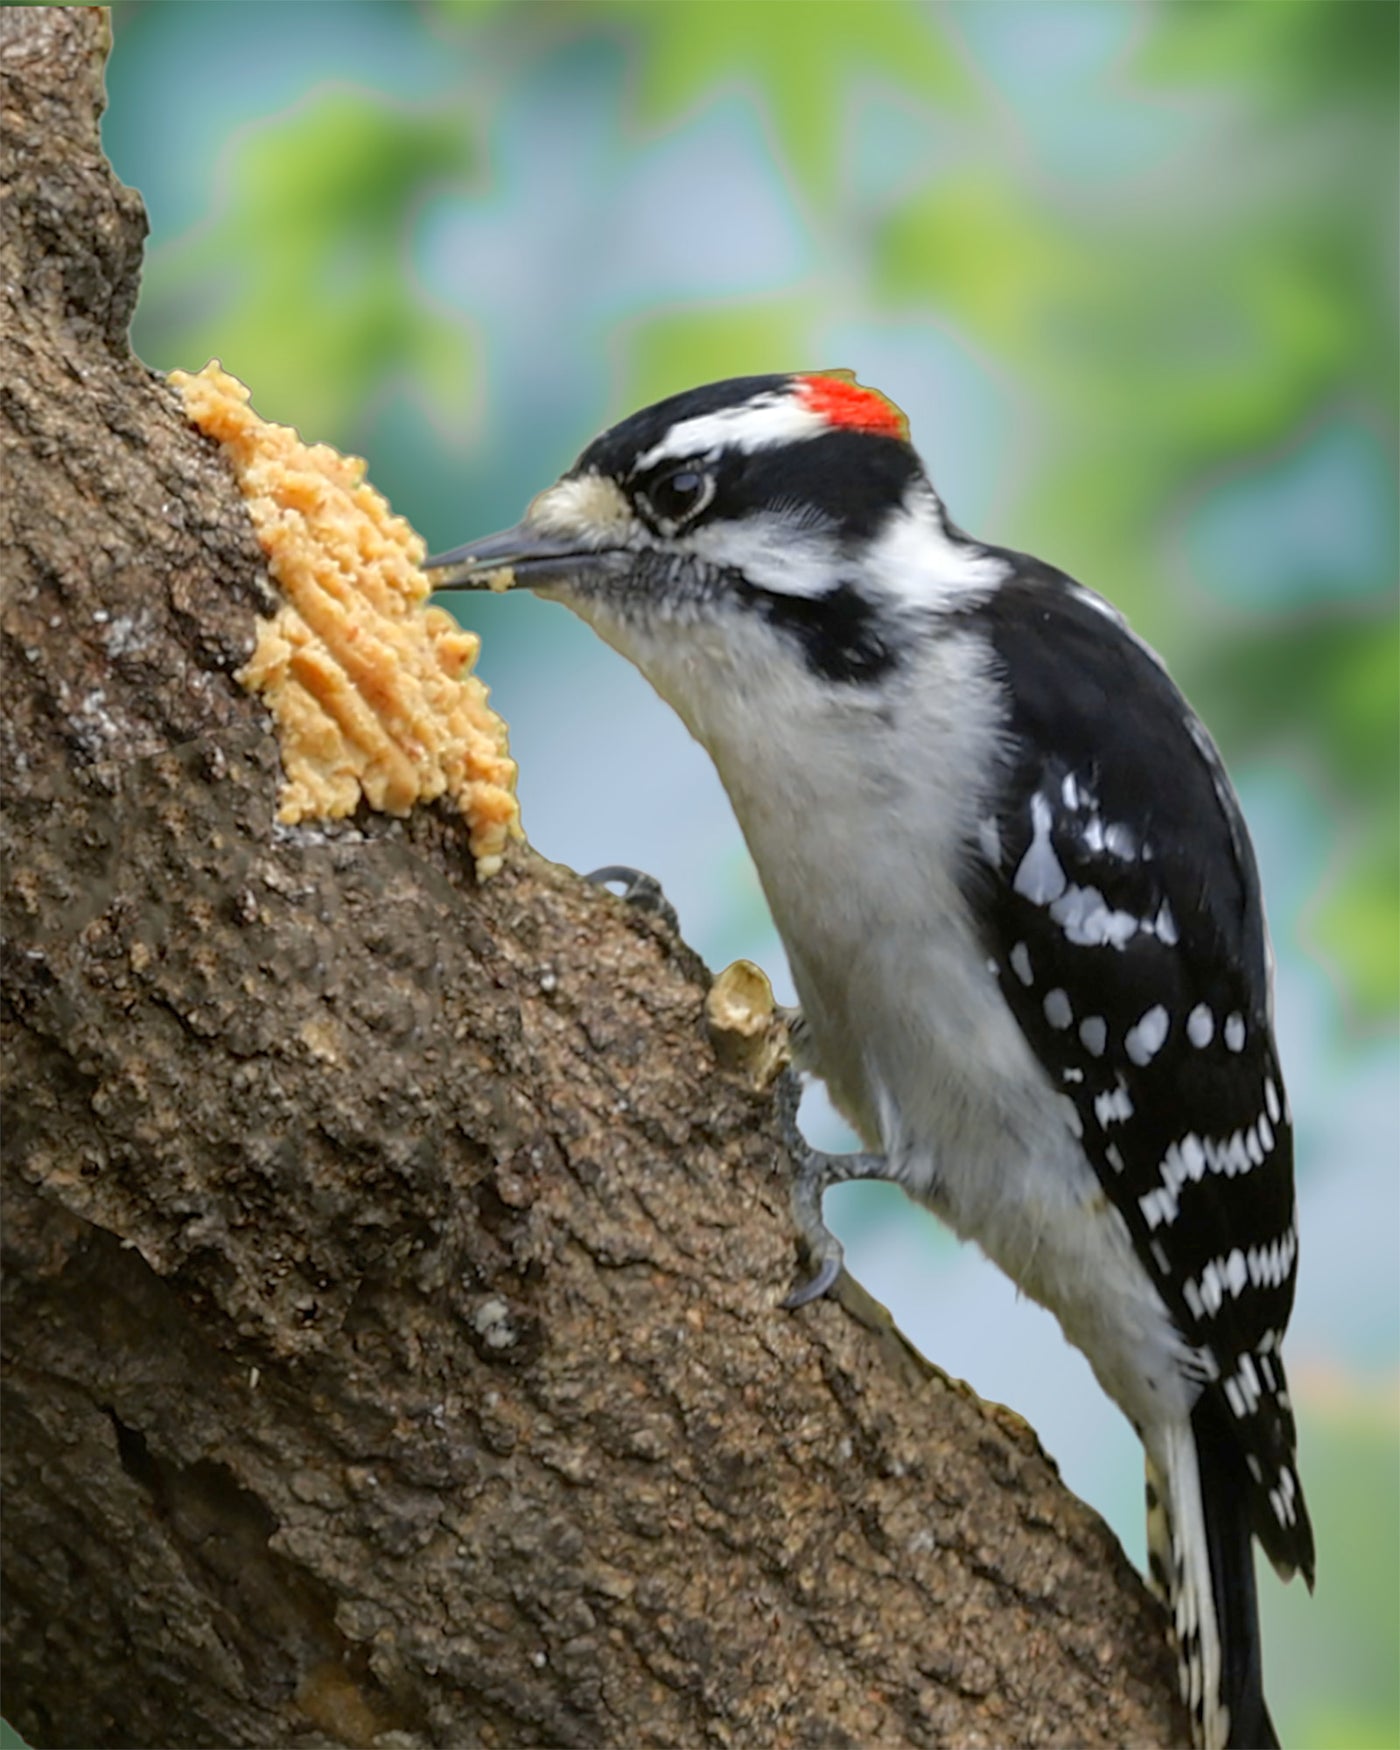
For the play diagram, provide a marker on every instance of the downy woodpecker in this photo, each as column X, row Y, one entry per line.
column 1021, row 911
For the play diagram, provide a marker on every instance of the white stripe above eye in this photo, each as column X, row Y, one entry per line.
column 774, row 417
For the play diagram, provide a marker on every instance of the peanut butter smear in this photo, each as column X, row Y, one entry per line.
column 371, row 689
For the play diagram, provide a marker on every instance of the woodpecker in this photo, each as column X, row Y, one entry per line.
column 1021, row 911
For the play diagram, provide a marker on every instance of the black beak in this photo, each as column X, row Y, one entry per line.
column 521, row 557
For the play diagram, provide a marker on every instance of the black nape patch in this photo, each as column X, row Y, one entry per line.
column 839, row 633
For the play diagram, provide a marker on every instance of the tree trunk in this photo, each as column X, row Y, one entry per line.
column 392, row 1341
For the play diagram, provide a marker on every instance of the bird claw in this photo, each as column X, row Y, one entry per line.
column 822, row 1280
column 824, row 1251
column 639, row 889
column 815, row 1174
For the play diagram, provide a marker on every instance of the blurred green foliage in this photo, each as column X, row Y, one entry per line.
column 315, row 219
column 1353, row 1470
column 1172, row 323
column 800, row 67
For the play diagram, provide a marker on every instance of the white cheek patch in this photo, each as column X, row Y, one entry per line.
column 589, row 507
column 772, row 551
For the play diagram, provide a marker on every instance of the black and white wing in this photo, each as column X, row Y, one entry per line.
column 1123, row 911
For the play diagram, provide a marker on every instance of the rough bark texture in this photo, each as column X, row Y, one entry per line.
column 392, row 1342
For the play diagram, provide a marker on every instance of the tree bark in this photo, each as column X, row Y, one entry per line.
column 392, row 1342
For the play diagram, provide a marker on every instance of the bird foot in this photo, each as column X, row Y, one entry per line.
column 816, row 1172
column 639, row 889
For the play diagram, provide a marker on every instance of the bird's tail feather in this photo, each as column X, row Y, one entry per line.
column 1201, row 1559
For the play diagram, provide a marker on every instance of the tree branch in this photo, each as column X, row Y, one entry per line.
column 392, row 1342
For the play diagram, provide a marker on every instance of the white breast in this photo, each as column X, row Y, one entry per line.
column 858, row 846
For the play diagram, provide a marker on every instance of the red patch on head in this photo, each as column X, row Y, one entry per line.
column 843, row 402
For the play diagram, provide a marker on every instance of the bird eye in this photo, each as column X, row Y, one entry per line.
column 679, row 496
